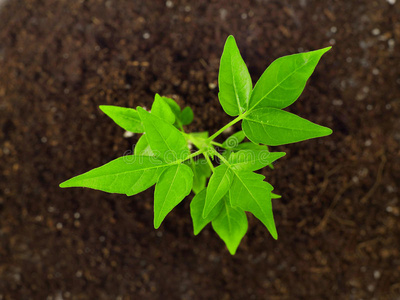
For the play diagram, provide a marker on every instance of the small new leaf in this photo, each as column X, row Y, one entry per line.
column 161, row 109
column 276, row 127
column 234, row 140
column 201, row 171
column 218, row 186
column 196, row 211
column 234, row 80
column 186, row 116
column 231, row 226
column 173, row 105
column 166, row 142
column 284, row 80
column 127, row 118
column 173, row 185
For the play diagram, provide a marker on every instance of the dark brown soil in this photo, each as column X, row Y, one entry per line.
column 338, row 220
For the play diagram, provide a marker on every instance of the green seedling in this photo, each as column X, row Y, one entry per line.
column 224, row 180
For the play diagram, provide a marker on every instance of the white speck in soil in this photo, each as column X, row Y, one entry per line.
column 391, row 44
column 146, row 35
column 223, row 13
column 377, row 274
column 376, row 31
column 128, row 134
column 337, row 102
column 212, row 85
column 169, row 4
column 371, row 287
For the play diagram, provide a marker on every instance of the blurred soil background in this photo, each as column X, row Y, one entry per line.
column 338, row 219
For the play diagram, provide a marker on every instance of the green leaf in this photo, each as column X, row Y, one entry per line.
column 231, row 226
column 201, row 171
column 252, row 160
column 142, row 147
column 276, row 127
column 234, row 140
column 127, row 118
column 166, row 142
column 161, row 109
column 251, row 193
column 186, row 116
column 234, row 80
column 250, row 146
column 284, row 80
column 218, row 186
column 275, row 196
column 173, row 105
column 130, row 174
column 172, row 187
column 196, row 211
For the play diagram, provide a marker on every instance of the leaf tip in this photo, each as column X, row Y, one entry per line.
column 104, row 108
column 232, row 252
column 329, row 131
column 157, row 224
column 230, row 38
column 273, row 233
column 326, row 131
column 64, row 184
column 140, row 109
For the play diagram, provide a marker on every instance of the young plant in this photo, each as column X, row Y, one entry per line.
column 163, row 156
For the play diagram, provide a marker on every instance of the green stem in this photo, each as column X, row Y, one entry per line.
column 231, row 123
column 218, row 144
column 208, row 161
column 221, row 158
column 191, row 156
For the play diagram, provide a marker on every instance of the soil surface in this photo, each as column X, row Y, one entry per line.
column 338, row 219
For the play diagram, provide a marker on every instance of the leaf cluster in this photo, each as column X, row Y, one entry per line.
column 224, row 179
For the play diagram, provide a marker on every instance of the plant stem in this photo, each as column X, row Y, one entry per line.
column 209, row 161
column 218, row 144
column 222, row 158
column 191, row 155
column 231, row 123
